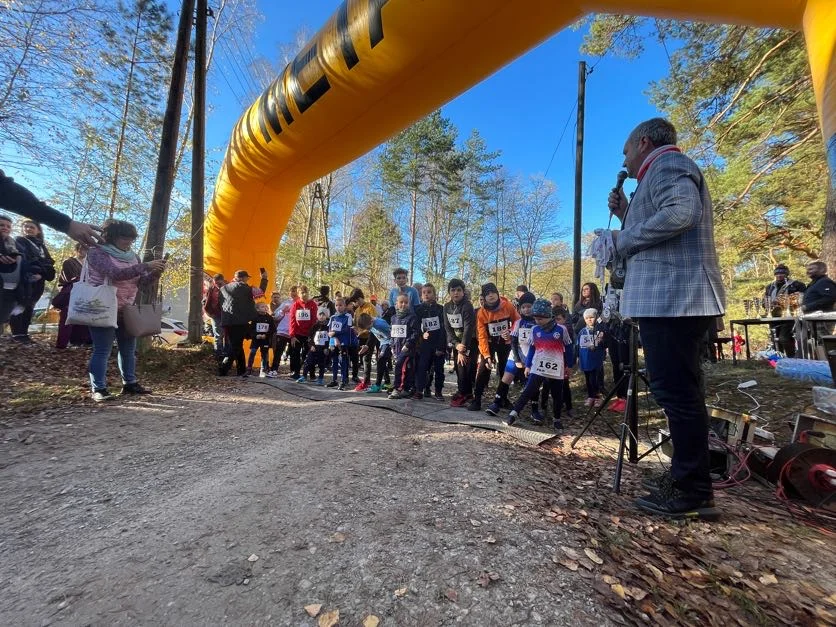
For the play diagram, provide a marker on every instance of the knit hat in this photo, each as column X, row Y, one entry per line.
column 528, row 297
column 487, row 288
column 542, row 309
column 324, row 291
column 454, row 284
column 781, row 269
column 356, row 293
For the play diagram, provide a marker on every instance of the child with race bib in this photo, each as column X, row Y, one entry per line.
column 460, row 325
column 380, row 338
column 493, row 329
column 520, row 343
column 591, row 356
column 261, row 331
column 318, row 353
column 433, row 345
column 550, row 359
column 406, row 333
column 340, row 332
column 302, row 317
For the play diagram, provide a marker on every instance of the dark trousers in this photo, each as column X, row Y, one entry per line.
column 265, row 355
column 554, row 387
column 384, row 363
column 75, row 334
column 619, row 352
column 352, row 357
column 466, row 373
column 545, row 391
column 429, row 360
column 593, row 382
column 404, row 370
column 316, row 359
column 672, row 357
column 499, row 355
column 235, row 335
column 297, row 354
column 20, row 323
column 280, row 347
column 782, row 336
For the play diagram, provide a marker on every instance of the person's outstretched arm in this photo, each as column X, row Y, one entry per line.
column 16, row 198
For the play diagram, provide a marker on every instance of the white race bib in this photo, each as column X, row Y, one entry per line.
column 524, row 334
column 587, row 341
column 495, row 329
column 303, row 314
column 430, row 324
column 455, row 320
column 548, row 364
column 398, row 330
column 321, row 338
column 336, row 326
column 262, row 327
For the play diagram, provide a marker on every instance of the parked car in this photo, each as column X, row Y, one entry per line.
column 172, row 332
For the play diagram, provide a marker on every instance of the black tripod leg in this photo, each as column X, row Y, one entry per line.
column 622, row 444
column 598, row 411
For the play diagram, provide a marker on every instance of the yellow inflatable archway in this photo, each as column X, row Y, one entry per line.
column 378, row 65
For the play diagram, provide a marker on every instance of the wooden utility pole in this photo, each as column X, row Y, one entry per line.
column 158, row 217
column 198, row 166
column 576, row 257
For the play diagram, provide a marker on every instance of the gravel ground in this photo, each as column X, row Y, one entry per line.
column 247, row 505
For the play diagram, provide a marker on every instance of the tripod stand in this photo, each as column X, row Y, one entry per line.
column 627, row 436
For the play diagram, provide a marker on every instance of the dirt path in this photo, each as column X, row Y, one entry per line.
column 147, row 512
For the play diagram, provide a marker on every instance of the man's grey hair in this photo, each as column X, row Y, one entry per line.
column 659, row 131
column 818, row 264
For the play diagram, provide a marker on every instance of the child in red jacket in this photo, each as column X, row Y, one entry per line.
column 302, row 318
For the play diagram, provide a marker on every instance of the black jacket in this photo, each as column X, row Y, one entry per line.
column 820, row 295
column 466, row 334
column 36, row 257
column 432, row 314
column 17, row 198
column 237, row 304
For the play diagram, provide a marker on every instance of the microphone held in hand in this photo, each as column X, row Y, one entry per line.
column 619, row 182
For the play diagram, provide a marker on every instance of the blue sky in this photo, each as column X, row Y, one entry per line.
column 615, row 102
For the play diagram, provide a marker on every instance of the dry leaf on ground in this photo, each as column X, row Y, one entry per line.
column 330, row 619
column 313, row 609
column 592, row 555
column 401, row 592
column 371, row 621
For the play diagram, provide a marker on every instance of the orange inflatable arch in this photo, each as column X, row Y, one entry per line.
column 378, row 65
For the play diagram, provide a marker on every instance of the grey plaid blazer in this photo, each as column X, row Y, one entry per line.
column 668, row 241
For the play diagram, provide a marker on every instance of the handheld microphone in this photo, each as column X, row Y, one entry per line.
column 619, row 182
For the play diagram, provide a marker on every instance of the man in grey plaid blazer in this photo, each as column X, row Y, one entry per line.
column 674, row 290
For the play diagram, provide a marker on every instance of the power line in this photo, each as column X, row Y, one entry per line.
column 563, row 132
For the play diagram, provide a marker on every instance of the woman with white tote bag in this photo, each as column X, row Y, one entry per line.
column 115, row 262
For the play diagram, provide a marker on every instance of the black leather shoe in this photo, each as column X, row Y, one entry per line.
column 674, row 503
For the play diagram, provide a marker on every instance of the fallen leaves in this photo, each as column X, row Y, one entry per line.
column 401, row 592
column 338, row 538
column 313, row 609
column 252, row 558
column 452, row 595
column 371, row 621
column 329, row 619
column 593, row 556
column 487, row 577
